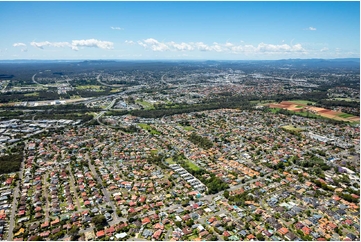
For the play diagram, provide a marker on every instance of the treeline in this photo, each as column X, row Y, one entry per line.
column 12, row 162
column 73, row 112
column 5, row 115
column 219, row 103
column 200, row 141
column 311, row 96
column 22, row 97
column 65, row 115
column 343, row 103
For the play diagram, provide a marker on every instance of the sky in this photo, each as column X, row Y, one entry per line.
column 179, row 30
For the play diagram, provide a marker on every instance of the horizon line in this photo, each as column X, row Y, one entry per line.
column 179, row 59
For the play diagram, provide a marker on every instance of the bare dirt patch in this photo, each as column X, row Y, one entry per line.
column 289, row 105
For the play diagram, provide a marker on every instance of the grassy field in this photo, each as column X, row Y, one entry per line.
column 145, row 105
column 291, row 128
column 170, row 161
column 345, row 115
column 154, row 152
column 32, row 94
column 274, row 110
column 299, row 106
column 192, row 166
column 188, row 128
column 114, row 90
column 302, row 102
column 85, row 87
column 305, row 114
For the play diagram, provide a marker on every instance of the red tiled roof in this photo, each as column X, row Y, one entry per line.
column 100, row 233
column 146, row 220
column 306, row 230
column 283, row 231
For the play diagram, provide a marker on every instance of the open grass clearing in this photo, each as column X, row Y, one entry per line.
column 154, row 152
column 302, row 102
column 291, row 128
column 188, row 128
column 345, row 115
column 307, row 114
column 115, row 90
column 87, row 87
column 145, row 104
column 170, row 161
column 32, row 94
column 275, row 110
column 192, row 166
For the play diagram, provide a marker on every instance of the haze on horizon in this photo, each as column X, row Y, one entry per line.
column 179, row 30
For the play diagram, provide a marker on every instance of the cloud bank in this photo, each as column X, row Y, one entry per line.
column 155, row 45
column 75, row 44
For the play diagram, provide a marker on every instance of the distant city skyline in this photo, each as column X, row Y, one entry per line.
column 179, row 30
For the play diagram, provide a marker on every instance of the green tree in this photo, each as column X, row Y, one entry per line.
column 226, row 194
column 99, row 221
column 260, row 237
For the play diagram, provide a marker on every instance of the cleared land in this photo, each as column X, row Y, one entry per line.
column 295, row 106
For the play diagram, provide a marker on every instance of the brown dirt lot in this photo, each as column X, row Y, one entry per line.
column 320, row 111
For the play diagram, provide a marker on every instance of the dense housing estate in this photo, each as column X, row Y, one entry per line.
column 77, row 176
column 186, row 152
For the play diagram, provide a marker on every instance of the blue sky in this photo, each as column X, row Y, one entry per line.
column 179, row 30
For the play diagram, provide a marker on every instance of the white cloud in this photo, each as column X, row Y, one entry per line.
column 155, row 45
column 24, row 49
column 311, row 28
column 91, row 43
column 181, row 47
column 202, row 47
column 43, row 44
column 75, row 44
column 116, row 28
column 130, row 42
column 142, row 44
column 324, row 49
column 19, row 45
